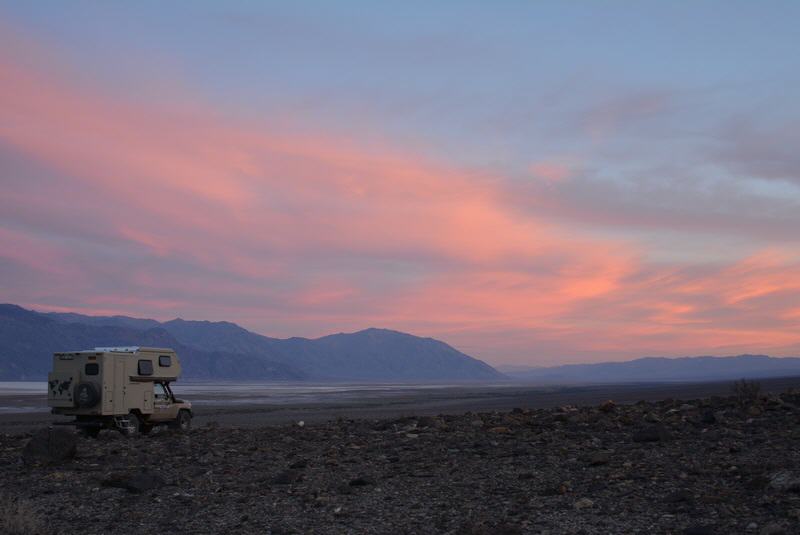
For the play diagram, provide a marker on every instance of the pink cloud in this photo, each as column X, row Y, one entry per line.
column 162, row 209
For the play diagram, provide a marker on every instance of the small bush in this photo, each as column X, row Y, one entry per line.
column 746, row 392
column 20, row 518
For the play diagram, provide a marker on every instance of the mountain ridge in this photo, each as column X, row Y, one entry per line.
column 225, row 350
column 661, row 369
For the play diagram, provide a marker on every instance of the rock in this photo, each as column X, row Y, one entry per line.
column 774, row 528
column 483, row 528
column 426, row 421
column 652, row 418
column 136, row 483
column 607, row 406
column 653, row 433
column 708, row 417
column 286, row 477
column 599, row 458
column 544, row 477
column 785, row 481
column 501, row 430
column 50, row 445
column 578, row 418
column 699, row 530
column 476, row 423
column 678, row 496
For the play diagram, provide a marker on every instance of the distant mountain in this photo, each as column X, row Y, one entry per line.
column 651, row 369
column 28, row 340
column 223, row 350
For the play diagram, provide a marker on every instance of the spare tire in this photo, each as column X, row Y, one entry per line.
column 86, row 395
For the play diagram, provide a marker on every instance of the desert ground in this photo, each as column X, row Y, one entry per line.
column 231, row 406
column 709, row 464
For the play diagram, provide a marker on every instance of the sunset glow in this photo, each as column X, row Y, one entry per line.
column 503, row 208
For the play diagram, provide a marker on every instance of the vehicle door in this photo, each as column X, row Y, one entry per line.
column 163, row 407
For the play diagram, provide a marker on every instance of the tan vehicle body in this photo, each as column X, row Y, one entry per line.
column 103, row 387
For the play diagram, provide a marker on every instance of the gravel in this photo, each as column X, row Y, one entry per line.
column 698, row 466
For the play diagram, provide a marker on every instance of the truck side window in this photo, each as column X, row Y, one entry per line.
column 160, row 391
column 165, row 361
column 91, row 368
column 145, row 367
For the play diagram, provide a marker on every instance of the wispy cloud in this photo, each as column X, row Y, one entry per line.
column 168, row 208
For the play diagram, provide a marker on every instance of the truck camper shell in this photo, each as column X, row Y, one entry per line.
column 115, row 382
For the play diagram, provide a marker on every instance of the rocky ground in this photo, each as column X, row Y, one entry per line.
column 711, row 466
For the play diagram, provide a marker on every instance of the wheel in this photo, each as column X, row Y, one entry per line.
column 135, row 425
column 90, row 431
column 184, row 421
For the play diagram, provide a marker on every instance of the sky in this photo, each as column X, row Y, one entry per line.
column 532, row 182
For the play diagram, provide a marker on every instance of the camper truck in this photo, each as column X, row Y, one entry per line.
column 122, row 388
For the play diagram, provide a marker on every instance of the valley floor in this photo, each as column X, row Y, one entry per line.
column 253, row 404
column 715, row 465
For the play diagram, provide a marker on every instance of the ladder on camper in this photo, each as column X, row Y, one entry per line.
column 125, row 425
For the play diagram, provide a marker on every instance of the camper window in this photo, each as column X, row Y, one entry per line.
column 165, row 361
column 145, row 367
column 91, row 369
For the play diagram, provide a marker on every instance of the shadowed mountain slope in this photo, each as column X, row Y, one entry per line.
column 223, row 350
column 651, row 369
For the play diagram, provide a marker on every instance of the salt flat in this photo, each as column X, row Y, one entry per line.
column 23, row 406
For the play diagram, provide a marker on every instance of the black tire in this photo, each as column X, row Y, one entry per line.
column 184, row 420
column 136, row 424
column 90, row 431
column 86, row 395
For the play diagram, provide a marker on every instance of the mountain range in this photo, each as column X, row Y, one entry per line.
column 223, row 350
column 226, row 351
column 659, row 369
